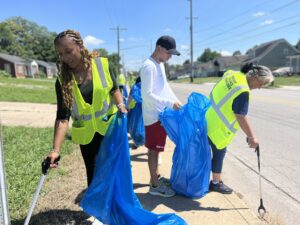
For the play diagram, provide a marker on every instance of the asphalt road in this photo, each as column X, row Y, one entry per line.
column 275, row 117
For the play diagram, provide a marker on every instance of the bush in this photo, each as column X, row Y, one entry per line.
column 40, row 74
column 3, row 73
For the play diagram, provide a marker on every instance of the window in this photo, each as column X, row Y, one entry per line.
column 285, row 51
column 7, row 68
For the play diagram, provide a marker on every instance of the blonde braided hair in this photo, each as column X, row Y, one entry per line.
column 64, row 71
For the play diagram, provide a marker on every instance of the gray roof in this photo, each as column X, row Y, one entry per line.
column 13, row 58
column 45, row 64
column 225, row 61
column 261, row 50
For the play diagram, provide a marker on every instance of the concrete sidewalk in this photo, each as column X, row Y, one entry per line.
column 214, row 208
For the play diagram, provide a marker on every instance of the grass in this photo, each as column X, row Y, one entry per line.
column 279, row 81
column 24, row 150
column 27, row 90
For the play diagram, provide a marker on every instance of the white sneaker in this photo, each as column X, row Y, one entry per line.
column 97, row 222
column 159, row 159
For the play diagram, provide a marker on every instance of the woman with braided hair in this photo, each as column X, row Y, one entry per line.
column 87, row 91
column 228, row 112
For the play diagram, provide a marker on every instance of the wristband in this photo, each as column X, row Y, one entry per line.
column 120, row 104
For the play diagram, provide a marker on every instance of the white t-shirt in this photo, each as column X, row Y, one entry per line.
column 156, row 92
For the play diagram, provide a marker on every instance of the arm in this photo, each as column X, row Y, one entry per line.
column 147, row 77
column 246, row 127
column 118, row 100
column 60, row 130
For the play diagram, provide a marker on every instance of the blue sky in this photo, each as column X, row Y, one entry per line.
column 223, row 26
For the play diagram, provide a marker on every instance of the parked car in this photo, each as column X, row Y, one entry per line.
column 283, row 71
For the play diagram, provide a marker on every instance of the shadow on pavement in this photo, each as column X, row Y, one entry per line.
column 178, row 203
column 57, row 217
column 137, row 157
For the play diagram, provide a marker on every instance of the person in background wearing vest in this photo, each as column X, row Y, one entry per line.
column 86, row 90
column 228, row 112
column 121, row 81
column 156, row 96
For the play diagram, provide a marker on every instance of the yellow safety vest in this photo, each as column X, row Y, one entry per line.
column 221, row 120
column 91, row 118
column 131, row 81
column 121, row 79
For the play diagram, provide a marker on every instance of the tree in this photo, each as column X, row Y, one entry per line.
column 186, row 62
column 208, row 55
column 236, row 53
column 26, row 39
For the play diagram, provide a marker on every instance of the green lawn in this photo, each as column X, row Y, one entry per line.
column 27, row 90
column 279, row 81
column 24, row 150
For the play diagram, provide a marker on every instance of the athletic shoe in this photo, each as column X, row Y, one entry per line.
column 161, row 190
column 220, row 187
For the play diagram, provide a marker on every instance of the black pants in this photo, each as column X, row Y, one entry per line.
column 89, row 153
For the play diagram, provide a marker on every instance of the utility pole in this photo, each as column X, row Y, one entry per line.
column 118, row 29
column 191, row 36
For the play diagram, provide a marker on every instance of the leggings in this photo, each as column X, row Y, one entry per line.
column 218, row 156
column 89, row 153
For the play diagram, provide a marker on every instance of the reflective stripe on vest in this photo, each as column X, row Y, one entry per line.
column 222, row 125
column 75, row 112
column 95, row 117
column 217, row 107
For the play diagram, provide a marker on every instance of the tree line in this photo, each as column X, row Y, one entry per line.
column 26, row 39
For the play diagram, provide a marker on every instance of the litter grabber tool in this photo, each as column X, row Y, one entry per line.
column 261, row 208
column 45, row 167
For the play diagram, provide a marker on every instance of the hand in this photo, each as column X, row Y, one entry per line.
column 177, row 105
column 53, row 155
column 122, row 108
column 252, row 142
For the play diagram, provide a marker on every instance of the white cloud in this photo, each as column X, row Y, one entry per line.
column 92, row 41
column 134, row 39
column 267, row 22
column 184, row 47
column 259, row 14
column 226, row 53
column 122, row 40
column 167, row 30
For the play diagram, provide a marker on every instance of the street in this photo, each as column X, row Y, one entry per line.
column 274, row 115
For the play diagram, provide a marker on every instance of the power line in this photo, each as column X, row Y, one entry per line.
column 252, row 20
column 233, row 18
column 248, row 37
column 118, row 29
column 251, row 30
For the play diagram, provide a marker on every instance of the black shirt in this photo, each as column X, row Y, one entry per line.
column 86, row 90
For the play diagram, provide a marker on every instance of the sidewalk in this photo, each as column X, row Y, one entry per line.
column 213, row 209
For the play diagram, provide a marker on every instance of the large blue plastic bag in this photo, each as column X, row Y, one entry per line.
column 192, row 157
column 110, row 197
column 135, row 126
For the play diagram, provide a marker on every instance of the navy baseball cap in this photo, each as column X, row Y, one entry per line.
column 168, row 43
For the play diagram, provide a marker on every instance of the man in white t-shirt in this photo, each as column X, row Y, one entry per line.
column 157, row 95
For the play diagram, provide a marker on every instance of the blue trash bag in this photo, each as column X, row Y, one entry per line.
column 110, row 197
column 192, row 155
column 136, row 92
column 125, row 92
column 135, row 126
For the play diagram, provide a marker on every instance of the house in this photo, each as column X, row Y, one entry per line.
column 21, row 68
column 47, row 68
column 14, row 65
column 294, row 62
column 204, row 69
column 223, row 63
column 272, row 54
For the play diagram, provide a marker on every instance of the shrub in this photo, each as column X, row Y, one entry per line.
column 3, row 73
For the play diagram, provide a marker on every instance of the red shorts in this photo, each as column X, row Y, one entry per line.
column 155, row 137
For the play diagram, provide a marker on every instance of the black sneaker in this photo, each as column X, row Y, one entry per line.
column 220, row 187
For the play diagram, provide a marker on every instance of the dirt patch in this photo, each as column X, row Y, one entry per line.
column 60, row 204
